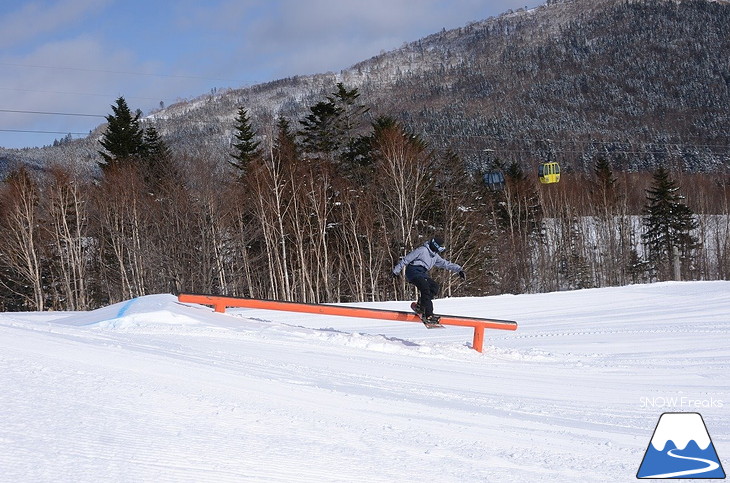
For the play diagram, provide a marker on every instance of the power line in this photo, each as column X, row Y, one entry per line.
column 15, row 111
column 44, row 132
column 552, row 141
column 550, row 144
column 633, row 150
column 104, row 71
column 87, row 94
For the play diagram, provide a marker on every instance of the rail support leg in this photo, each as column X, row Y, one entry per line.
column 478, row 339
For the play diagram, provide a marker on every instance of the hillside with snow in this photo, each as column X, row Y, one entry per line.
column 642, row 84
column 155, row 390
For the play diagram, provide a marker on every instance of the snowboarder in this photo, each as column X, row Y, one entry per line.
column 418, row 263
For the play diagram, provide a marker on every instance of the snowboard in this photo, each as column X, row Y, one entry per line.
column 428, row 324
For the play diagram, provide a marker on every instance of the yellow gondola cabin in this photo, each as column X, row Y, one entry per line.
column 549, row 172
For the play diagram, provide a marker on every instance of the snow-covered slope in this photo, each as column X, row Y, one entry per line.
column 154, row 390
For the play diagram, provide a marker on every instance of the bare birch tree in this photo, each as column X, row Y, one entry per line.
column 21, row 245
column 66, row 204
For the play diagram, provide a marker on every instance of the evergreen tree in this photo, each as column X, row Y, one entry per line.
column 335, row 130
column 153, row 147
column 335, row 127
column 285, row 146
column 322, row 131
column 356, row 144
column 669, row 224
column 156, row 159
column 123, row 139
column 352, row 112
column 246, row 149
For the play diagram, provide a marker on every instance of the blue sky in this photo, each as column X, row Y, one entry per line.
column 77, row 56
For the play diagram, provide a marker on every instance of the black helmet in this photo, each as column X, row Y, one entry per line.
column 437, row 244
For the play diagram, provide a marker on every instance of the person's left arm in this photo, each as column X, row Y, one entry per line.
column 441, row 263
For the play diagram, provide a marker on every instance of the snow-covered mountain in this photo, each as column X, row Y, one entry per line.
column 641, row 83
column 155, row 390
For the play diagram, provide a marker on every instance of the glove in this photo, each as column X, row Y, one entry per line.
column 462, row 275
column 394, row 275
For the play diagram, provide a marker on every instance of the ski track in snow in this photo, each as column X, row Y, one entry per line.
column 155, row 390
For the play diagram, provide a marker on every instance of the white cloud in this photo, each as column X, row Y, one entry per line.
column 35, row 19
column 289, row 37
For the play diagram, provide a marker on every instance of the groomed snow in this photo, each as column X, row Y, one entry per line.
column 154, row 390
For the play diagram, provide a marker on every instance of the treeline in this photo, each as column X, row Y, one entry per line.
column 321, row 208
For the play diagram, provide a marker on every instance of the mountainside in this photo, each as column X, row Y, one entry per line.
column 642, row 83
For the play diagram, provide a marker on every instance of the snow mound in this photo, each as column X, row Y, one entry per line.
column 149, row 310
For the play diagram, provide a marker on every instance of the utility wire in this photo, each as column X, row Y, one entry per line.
column 15, row 111
column 86, row 94
column 44, row 132
column 104, row 71
column 552, row 141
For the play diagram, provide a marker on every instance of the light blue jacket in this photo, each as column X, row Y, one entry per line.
column 424, row 257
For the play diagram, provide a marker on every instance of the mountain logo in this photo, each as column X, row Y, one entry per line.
column 680, row 448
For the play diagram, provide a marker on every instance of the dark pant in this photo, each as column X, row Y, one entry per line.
column 427, row 289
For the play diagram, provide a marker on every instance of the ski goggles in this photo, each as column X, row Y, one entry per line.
column 438, row 247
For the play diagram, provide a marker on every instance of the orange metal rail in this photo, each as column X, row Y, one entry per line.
column 220, row 304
